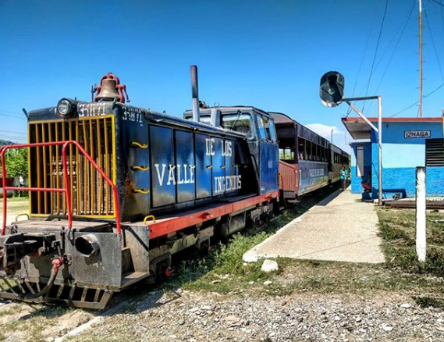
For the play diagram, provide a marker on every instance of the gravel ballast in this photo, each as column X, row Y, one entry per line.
column 202, row 316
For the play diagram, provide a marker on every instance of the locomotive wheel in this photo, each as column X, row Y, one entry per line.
column 163, row 271
column 205, row 249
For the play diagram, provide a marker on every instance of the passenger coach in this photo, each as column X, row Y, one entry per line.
column 307, row 161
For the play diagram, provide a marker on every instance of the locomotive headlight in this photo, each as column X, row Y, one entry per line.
column 64, row 107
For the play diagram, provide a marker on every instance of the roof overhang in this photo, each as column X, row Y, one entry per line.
column 359, row 129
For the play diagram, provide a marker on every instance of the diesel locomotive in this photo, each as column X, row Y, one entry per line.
column 116, row 190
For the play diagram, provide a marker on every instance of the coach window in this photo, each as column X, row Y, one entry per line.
column 308, row 150
column 240, row 122
column 301, row 149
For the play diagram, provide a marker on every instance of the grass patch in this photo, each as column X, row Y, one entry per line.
column 426, row 302
column 398, row 233
column 223, row 270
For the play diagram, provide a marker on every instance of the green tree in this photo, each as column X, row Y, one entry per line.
column 17, row 162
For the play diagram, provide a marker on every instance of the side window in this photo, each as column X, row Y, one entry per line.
column 263, row 134
column 301, row 149
column 240, row 122
column 272, row 130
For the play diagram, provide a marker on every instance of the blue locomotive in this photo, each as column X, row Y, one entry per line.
column 116, row 190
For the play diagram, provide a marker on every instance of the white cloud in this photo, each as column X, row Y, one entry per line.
column 340, row 137
column 324, row 130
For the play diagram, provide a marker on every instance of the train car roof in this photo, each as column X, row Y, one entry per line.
column 338, row 150
column 283, row 120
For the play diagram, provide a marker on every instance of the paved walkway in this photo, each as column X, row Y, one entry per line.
column 339, row 228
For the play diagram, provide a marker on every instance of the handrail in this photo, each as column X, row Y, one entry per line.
column 66, row 189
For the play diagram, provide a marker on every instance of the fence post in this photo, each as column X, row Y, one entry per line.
column 421, row 213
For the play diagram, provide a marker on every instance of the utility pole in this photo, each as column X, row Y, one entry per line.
column 420, row 59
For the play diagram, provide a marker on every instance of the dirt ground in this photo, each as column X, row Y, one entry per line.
column 304, row 301
column 16, row 206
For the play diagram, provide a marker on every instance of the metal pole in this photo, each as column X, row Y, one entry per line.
column 331, row 140
column 421, row 242
column 420, row 59
column 195, row 93
column 362, row 115
column 377, row 130
column 380, row 149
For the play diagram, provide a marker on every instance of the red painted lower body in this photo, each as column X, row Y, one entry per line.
column 186, row 220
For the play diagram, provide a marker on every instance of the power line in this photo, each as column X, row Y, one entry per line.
column 362, row 61
column 442, row 14
column 434, row 46
column 18, row 133
column 376, row 51
column 13, row 116
column 394, row 50
column 438, row 3
column 9, row 112
column 414, row 104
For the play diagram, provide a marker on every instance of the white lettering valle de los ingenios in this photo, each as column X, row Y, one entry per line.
column 184, row 173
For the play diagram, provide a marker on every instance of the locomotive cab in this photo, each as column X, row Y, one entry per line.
column 259, row 131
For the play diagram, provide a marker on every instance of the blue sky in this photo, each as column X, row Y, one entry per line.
column 269, row 54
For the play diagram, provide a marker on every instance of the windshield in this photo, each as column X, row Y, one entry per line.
column 240, row 122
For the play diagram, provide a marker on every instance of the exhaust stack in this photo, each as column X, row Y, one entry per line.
column 195, row 93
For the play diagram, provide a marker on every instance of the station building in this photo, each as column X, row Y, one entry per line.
column 406, row 144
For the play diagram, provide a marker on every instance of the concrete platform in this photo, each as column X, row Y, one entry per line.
column 339, row 228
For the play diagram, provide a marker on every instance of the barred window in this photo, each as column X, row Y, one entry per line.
column 434, row 152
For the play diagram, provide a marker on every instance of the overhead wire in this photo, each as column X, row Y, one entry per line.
column 433, row 43
column 9, row 112
column 13, row 116
column 376, row 51
column 439, row 64
column 394, row 50
column 436, row 2
column 362, row 61
column 442, row 13
column 414, row 104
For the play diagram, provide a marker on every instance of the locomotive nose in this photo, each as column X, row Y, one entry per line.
column 87, row 245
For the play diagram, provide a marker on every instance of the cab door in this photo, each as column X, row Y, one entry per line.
column 269, row 154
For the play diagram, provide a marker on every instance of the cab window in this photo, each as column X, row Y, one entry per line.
column 267, row 131
column 263, row 134
column 272, row 130
column 240, row 122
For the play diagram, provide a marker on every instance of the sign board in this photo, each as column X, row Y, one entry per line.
column 417, row 134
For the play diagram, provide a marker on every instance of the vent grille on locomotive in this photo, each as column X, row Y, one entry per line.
column 92, row 197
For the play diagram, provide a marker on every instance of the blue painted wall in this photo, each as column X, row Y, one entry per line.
column 400, row 157
column 355, row 180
